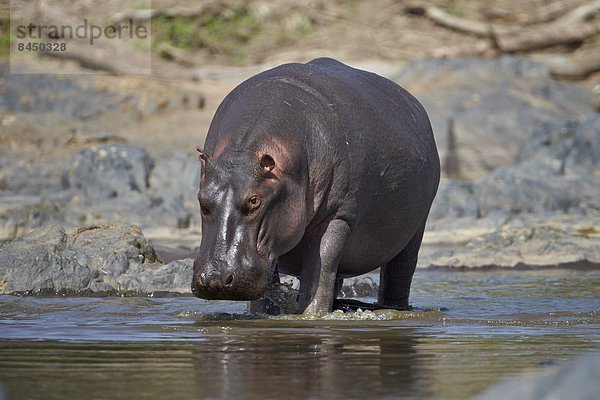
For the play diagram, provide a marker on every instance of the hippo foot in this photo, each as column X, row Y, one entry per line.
column 279, row 298
column 264, row 306
column 354, row 305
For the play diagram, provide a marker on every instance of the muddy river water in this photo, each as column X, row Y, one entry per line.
column 468, row 331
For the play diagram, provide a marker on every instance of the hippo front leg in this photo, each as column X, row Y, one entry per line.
column 321, row 256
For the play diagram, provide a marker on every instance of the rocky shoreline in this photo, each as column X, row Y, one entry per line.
column 520, row 152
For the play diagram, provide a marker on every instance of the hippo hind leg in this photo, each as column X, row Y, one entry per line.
column 395, row 277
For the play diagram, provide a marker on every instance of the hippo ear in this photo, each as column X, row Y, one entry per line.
column 266, row 164
column 202, row 156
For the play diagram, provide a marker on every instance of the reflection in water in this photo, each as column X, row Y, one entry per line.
column 345, row 363
column 117, row 371
column 496, row 324
column 299, row 362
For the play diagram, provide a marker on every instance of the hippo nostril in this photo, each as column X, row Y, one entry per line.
column 202, row 280
column 229, row 280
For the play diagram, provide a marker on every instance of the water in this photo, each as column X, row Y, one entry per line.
column 470, row 329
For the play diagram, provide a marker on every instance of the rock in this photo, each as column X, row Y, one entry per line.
column 110, row 182
column 576, row 379
column 172, row 277
column 115, row 182
column 291, row 281
column 107, row 103
column 110, row 170
column 535, row 187
column 25, row 178
column 563, row 242
column 30, row 197
column 116, row 258
column 34, row 263
column 556, row 171
column 359, row 286
column 20, row 213
column 495, row 105
column 173, row 187
column 40, row 94
column 454, row 200
column 111, row 258
column 177, row 178
column 118, row 182
column 574, row 146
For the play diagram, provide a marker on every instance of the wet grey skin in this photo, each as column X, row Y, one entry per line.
column 317, row 170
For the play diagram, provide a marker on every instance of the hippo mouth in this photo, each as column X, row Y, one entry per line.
column 243, row 288
column 220, row 294
column 243, row 282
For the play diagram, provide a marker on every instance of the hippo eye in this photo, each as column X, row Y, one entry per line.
column 253, row 204
column 204, row 210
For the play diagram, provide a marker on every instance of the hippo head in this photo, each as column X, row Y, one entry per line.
column 250, row 216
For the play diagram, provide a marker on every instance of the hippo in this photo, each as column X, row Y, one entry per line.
column 316, row 170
